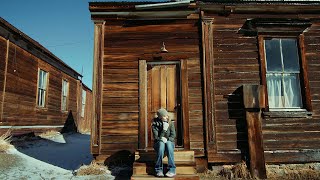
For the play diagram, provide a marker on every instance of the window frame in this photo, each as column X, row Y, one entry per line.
column 67, row 95
column 83, row 102
column 46, row 89
column 304, row 82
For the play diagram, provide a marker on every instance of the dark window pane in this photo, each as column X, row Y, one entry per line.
column 273, row 55
column 290, row 55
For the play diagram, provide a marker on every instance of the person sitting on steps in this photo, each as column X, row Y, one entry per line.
column 164, row 135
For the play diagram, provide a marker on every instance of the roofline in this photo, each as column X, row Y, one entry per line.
column 86, row 87
column 9, row 27
column 121, row 8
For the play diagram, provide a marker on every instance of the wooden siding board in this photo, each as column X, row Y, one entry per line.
column 19, row 103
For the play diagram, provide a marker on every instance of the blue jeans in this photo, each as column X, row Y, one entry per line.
column 161, row 148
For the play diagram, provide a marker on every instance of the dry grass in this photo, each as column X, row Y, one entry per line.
column 48, row 134
column 92, row 169
column 5, row 140
column 226, row 172
column 238, row 171
column 294, row 172
column 310, row 171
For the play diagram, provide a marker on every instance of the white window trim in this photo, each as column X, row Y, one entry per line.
column 45, row 90
column 62, row 95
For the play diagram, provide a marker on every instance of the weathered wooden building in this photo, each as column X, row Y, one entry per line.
column 38, row 91
column 203, row 61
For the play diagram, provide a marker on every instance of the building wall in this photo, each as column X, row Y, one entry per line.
column 237, row 62
column 3, row 52
column 84, row 123
column 20, row 106
column 125, row 43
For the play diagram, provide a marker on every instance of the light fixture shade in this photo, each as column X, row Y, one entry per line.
column 163, row 48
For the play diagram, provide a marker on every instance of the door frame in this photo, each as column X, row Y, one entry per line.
column 143, row 100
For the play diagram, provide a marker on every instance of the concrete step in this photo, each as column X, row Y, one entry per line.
column 177, row 177
column 182, row 168
column 144, row 156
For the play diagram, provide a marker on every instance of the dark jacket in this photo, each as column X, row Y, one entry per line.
column 158, row 132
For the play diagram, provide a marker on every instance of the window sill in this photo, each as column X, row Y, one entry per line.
column 287, row 114
column 65, row 112
column 38, row 108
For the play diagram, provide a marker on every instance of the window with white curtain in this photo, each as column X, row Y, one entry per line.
column 283, row 73
column 83, row 103
column 42, row 88
column 64, row 97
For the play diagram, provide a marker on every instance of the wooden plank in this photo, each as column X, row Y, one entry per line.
column 5, row 79
column 185, row 104
column 120, row 100
column 224, row 157
column 253, row 100
column 143, row 99
column 149, row 110
column 306, row 88
column 120, row 94
column 163, row 87
column 255, row 140
column 208, row 76
column 97, row 85
column 120, row 131
column 112, row 116
column 155, row 88
column 171, row 88
column 291, row 144
column 119, row 139
column 120, row 108
column 120, row 87
column 120, row 124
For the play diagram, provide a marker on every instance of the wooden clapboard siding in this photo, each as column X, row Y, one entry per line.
column 236, row 62
column 19, row 105
column 3, row 58
column 125, row 42
column 196, row 123
column 84, row 123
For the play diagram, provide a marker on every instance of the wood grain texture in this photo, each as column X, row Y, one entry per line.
column 19, row 102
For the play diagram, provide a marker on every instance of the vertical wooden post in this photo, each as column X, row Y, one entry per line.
column 5, row 79
column 97, row 86
column 185, row 103
column 208, row 72
column 143, row 138
column 254, row 101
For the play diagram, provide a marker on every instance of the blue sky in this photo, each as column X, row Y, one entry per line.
column 64, row 27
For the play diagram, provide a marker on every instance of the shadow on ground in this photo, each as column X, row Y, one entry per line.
column 69, row 155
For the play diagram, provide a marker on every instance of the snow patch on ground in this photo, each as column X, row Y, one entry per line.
column 39, row 158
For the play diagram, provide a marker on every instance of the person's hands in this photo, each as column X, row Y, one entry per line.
column 165, row 126
column 163, row 139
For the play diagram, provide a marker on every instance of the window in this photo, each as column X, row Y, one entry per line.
column 64, row 98
column 42, row 88
column 83, row 103
column 283, row 73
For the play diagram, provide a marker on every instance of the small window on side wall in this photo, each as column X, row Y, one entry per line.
column 83, row 107
column 64, row 95
column 42, row 88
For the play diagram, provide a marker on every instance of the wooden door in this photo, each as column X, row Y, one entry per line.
column 163, row 91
